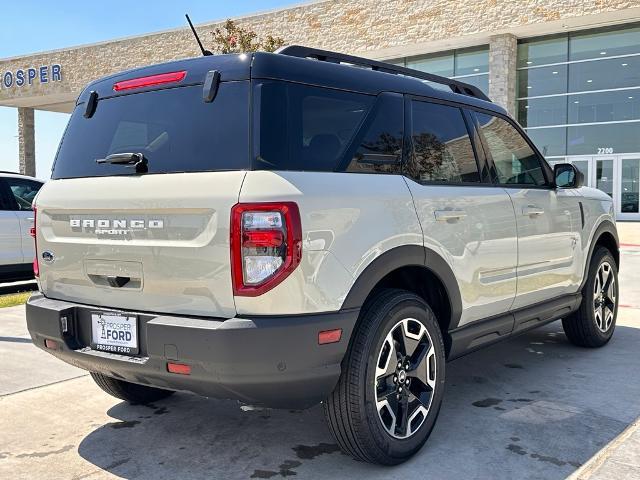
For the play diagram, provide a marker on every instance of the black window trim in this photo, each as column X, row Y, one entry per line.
column 481, row 164
column 547, row 172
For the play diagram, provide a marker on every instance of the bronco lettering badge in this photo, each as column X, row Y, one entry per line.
column 114, row 227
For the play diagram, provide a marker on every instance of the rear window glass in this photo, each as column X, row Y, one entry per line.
column 300, row 127
column 173, row 128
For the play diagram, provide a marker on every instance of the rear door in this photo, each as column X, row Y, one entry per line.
column 23, row 191
column 547, row 218
column 464, row 218
column 155, row 241
column 10, row 235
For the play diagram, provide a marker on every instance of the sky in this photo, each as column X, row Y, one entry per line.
column 61, row 24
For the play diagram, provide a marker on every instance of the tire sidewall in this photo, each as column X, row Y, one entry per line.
column 408, row 307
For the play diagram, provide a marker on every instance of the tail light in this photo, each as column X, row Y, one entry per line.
column 32, row 232
column 266, row 245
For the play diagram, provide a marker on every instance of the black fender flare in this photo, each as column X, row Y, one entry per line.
column 406, row 256
column 606, row 226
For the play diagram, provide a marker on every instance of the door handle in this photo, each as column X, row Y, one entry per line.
column 449, row 215
column 532, row 211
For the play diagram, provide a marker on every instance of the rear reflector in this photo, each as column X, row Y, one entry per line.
column 329, row 336
column 142, row 82
column 51, row 344
column 179, row 368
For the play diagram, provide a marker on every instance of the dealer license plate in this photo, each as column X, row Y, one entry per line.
column 113, row 332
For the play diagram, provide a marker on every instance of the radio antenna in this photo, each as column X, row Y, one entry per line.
column 205, row 53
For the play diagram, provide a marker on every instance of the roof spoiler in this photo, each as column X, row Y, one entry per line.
column 333, row 57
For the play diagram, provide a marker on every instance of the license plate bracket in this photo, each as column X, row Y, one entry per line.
column 114, row 332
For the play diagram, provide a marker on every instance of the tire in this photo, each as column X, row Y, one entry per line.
column 585, row 327
column 129, row 392
column 363, row 430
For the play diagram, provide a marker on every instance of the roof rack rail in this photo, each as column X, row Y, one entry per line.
column 12, row 173
column 333, row 57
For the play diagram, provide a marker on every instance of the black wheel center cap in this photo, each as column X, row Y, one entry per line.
column 402, row 376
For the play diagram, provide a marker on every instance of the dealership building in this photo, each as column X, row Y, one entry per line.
column 567, row 70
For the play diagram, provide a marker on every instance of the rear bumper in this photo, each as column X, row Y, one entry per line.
column 271, row 361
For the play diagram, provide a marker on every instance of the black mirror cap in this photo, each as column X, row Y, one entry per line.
column 567, row 175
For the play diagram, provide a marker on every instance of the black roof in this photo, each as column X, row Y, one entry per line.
column 283, row 66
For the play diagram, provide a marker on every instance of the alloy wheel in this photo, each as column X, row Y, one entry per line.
column 604, row 296
column 405, row 378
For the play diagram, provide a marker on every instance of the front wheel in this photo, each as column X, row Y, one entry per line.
column 390, row 390
column 593, row 323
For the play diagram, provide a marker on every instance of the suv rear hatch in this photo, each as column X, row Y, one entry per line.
column 114, row 235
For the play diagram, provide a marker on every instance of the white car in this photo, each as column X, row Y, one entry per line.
column 17, row 249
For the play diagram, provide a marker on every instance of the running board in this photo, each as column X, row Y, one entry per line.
column 476, row 335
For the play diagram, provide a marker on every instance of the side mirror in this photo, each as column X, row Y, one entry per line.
column 567, row 175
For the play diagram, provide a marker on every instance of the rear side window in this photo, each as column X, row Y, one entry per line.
column 515, row 161
column 173, row 128
column 23, row 191
column 300, row 127
column 441, row 149
column 377, row 147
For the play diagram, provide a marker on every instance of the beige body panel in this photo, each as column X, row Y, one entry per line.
column 181, row 268
column 348, row 220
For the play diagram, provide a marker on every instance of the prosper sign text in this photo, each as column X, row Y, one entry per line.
column 26, row 77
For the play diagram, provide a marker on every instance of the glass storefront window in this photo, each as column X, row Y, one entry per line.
column 536, row 112
column 582, row 166
column 469, row 65
column 543, row 51
column 542, row 81
column 604, row 106
column 604, row 176
column 470, row 62
column 550, row 141
column 480, row 81
column 604, row 43
column 436, row 64
column 604, row 74
column 630, row 186
column 609, row 138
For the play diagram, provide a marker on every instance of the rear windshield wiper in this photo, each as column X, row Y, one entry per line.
column 137, row 160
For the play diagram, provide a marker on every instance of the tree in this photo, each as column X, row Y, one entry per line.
column 232, row 38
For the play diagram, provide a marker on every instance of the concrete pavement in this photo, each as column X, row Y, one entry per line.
column 533, row 407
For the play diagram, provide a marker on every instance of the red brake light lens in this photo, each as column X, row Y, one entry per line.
column 266, row 245
column 32, row 232
column 150, row 81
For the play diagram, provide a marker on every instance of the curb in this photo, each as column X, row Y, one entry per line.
column 587, row 470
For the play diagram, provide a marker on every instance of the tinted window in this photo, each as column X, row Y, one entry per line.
column 174, row 129
column 441, row 148
column 378, row 147
column 24, row 191
column 514, row 159
column 300, row 127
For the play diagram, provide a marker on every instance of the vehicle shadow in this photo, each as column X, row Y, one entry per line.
column 532, row 407
column 17, row 287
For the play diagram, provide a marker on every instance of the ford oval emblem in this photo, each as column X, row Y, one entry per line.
column 48, row 256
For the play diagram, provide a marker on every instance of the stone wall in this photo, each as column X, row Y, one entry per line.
column 353, row 26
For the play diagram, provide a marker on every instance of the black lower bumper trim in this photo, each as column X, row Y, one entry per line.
column 272, row 361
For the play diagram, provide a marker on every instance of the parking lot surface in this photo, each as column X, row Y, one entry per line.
column 532, row 407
